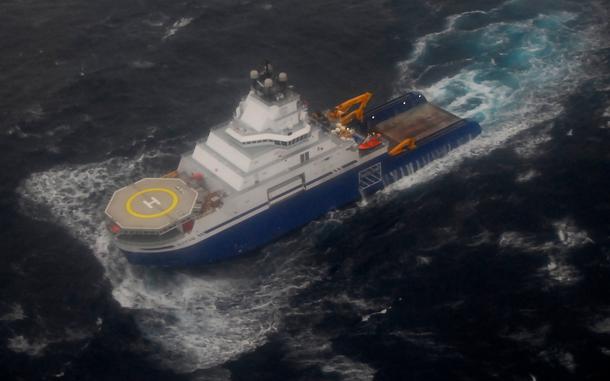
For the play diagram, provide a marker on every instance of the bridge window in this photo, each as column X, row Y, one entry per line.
column 278, row 142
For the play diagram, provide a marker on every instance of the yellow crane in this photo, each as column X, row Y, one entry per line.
column 342, row 114
column 402, row 146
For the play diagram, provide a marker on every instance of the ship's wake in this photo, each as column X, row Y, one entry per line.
column 509, row 68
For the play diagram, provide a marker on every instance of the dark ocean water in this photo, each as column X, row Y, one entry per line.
column 491, row 263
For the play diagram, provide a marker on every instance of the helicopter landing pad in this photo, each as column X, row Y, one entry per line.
column 152, row 204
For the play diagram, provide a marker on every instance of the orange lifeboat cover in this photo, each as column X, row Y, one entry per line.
column 370, row 142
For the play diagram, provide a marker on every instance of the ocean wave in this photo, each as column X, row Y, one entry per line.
column 15, row 313
column 527, row 176
column 557, row 270
column 31, row 347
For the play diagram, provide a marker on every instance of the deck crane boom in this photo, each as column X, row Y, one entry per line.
column 341, row 113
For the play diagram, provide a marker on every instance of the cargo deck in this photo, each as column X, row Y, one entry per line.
column 418, row 123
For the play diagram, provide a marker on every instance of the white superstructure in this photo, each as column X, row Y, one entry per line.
column 265, row 128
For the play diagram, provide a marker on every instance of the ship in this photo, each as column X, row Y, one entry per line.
column 274, row 167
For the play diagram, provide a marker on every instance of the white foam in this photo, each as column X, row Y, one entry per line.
column 308, row 350
column 525, row 242
column 530, row 147
column 425, row 340
column 423, row 260
column 561, row 273
column 606, row 114
column 502, row 110
column 34, row 112
column 515, row 240
column 17, row 132
column 602, row 326
column 421, row 43
column 560, row 357
column 310, row 347
column 366, row 318
column 176, row 26
column 567, row 360
column 15, row 313
column 32, row 347
column 558, row 271
column 348, row 369
column 527, row 176
column 569, row 235
column 536, row 337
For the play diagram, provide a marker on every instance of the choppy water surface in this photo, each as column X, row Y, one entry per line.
column 491, row 263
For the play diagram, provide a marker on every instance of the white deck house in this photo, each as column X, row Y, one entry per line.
column 260, row 141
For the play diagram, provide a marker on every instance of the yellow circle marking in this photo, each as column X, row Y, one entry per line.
column 172, row 194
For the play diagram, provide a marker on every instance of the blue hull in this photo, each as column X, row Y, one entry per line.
column 296, row 211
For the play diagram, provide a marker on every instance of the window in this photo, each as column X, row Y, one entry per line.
column 279, row 142
column 304, row 157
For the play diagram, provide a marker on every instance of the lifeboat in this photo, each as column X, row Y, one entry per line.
column 370, row 142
